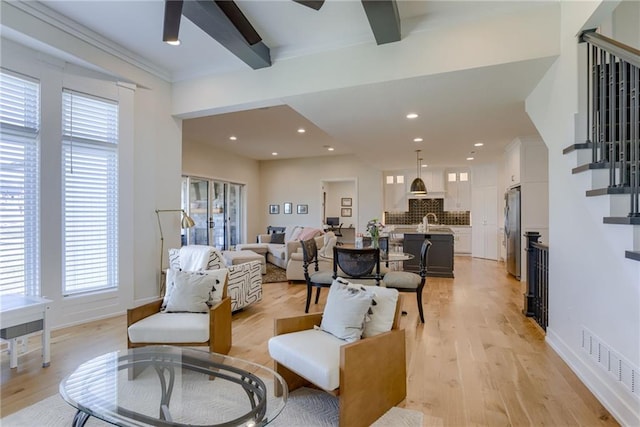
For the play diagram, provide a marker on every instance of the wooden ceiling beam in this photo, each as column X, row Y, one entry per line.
column 384, row 20
column 217, row 23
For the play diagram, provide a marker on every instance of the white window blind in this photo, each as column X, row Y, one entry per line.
column 90, row 191
column 19, row 184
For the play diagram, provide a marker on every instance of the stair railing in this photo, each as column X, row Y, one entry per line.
column 614, row 112
column 536, row 298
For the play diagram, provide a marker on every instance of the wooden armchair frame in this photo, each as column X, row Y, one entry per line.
column 373, row 371
column 219, row 324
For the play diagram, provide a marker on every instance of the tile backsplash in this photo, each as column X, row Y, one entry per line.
column 418, row 208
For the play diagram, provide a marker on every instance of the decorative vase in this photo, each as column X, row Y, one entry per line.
column 375, row 242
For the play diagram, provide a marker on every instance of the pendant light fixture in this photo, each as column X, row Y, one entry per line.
column 417, row 186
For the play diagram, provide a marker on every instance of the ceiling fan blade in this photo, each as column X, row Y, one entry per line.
column 240, row 21
column 172, row 16
column 313, row 4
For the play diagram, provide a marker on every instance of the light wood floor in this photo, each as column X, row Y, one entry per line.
column 477, row 361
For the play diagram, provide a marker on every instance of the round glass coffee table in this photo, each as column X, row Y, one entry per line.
column 174, row 386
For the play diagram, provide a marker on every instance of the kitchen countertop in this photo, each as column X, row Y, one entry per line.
column 432, row 230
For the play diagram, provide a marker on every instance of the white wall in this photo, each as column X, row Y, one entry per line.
column 592, row 285
column 336, row 191
column 149, row 146
column 308, row 174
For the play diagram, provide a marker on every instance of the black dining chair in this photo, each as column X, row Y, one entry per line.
column 405, row 281
column 361, row 264
column 315, row 278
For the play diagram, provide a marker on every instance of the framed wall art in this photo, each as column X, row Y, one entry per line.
column 346, row 201
column 345, row 212
column 303, row 209
column 274, row 209
column 288, row 207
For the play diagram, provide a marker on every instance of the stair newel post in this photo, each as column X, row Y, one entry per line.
column 530, row 296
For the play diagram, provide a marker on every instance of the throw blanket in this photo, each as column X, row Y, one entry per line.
column 194, row 257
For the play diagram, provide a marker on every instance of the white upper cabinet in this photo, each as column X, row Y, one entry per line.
column 512, row 163
column 395, row 191
column 458, row 184
column 434, row 180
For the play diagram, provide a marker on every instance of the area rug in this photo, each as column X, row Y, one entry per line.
column 274, row 274
column 305, row 408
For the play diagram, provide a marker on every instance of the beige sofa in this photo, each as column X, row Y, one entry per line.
column 279, row 253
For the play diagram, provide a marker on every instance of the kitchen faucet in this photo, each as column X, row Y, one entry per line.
column 425, row 220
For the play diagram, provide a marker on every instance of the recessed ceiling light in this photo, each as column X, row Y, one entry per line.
column 469, row 158
column 412, row 116
column 173, row 42
column 417, row 139
column 478, row 144
column 232, row 138
column 274, row 154
column 330, row 148
column 301, row 130
column 424, row 166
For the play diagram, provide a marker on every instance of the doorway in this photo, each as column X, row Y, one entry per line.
column 216, row 208
column 339, row 204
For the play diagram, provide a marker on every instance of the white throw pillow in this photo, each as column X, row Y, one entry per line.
column 345, row 311
column 169, row 278
column 383, row 308
column 219, row 276
column 215, row 295
column 190, row 292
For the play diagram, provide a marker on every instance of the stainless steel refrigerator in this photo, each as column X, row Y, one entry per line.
column 512, row 230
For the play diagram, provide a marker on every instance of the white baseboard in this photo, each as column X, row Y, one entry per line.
column 623, row 405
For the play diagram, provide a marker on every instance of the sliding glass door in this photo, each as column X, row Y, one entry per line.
column 216, row 208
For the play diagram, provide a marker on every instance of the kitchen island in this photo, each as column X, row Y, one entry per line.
column 440, row 262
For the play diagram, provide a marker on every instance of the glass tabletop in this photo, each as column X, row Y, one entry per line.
column 174, row 386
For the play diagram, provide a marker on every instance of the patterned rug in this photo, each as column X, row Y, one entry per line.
column 274, row 274
column 305, row 408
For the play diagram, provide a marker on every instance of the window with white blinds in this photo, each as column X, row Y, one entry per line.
column 90, row 193
column 19, row 184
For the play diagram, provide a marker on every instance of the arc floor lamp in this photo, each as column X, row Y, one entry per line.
column 185, row 222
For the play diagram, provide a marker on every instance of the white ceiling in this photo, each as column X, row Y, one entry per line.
column 456, row 109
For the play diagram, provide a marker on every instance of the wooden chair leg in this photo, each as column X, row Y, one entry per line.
column 318, row 294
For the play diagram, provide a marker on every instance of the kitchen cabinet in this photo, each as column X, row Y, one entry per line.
column 440, row 262
column 395, row 192
column 458, row 195
column 461, row 240
column 484, row 235
column 512, row 163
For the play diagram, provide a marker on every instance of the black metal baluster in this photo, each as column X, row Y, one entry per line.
column 635, row 142
column 602, row 106
column 611, row 117
column 622, row 124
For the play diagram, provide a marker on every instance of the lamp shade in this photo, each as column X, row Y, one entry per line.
column 418, row 187
column 186, row 221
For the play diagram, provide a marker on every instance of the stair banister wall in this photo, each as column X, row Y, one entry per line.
column 614, row 112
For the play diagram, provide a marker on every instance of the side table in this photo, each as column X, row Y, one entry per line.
column 22, row 315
